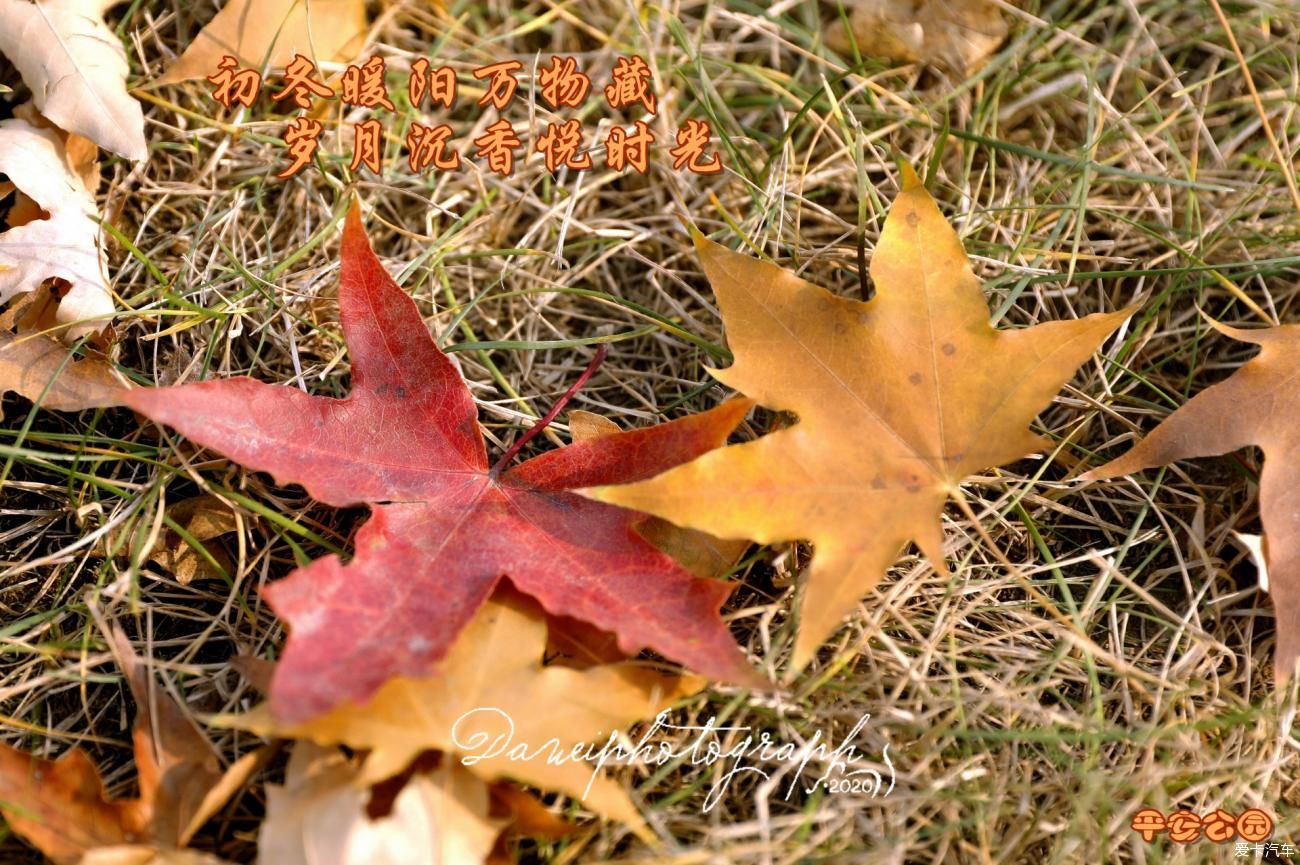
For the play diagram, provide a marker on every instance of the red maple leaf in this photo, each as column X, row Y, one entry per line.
column 444, row 528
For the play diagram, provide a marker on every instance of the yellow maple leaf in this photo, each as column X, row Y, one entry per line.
column 898, row 399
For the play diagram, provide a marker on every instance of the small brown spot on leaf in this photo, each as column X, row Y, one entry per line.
column 912, row 219
column 915, row 378
column 948, row 349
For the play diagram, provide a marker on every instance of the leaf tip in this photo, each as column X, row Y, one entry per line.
column 1101, row 473
column 911, row 180
column 353, row 224
column 702, row 244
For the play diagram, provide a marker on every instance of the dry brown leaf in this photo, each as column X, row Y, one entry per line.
column 528, row 816
column 32, row 312
column 204, row 518
column 1256, row 405
column 38, row 368
column 319, row 816
column 698, row 552
column 493, row 678
column 176, row 763
column 956, row 34
column 60, row 806
column 52, row 232
column 899, row 399
column 272, row 32
column 77, row 69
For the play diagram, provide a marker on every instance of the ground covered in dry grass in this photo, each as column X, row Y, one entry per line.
column 1109, row 153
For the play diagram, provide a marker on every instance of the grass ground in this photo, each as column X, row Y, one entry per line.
column 1110, row 152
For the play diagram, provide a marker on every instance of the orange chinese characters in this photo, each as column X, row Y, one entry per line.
column 502, row 84
column 298, row 83
column 442, row 86
column 418, row 82
column 439, row 83
column 563, row 83
column 1219, row 826
column 692, row 139
column 235, row 84
column 303, row 137
column 622, row 149
column 1254, row 825
column 631, row 83
column 363, row 86
column 560, row 144
column 425, row 148
column 367, row 146
column 1149, row 822
column 498, row 144
column 1184, row 827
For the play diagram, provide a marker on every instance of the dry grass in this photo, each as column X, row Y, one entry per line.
column 1109, row 153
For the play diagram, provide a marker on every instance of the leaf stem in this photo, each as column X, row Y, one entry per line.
column 546, row 419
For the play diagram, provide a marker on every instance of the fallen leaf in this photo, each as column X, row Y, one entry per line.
column 318, row 817
column 80, row 153
column 271, row 33
column 1256, row 405
column 39, row 369
column 956, row 34
column 176, row 763
column 898, row 399
column 444, row 528
column 60, row 805
column 490, row 696
column 76, row 68
column 53, row 234
column 698, row 552
column 528, row 816
column 203, row 518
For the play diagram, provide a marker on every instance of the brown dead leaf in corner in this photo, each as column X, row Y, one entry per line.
column 955, row 34
column 272, row 32
column 1256, row 405
column 60, row 806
